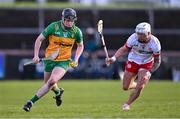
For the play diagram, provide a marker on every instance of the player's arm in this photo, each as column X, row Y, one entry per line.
column 157, row 62
column 45, row 34
column 79, row 50
column 157, row 56
column 122, row 50
column 37, row 46
column 119, row 53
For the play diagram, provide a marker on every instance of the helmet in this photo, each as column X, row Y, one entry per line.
column 69, row 13
column 143, row 27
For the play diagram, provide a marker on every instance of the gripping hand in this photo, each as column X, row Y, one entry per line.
column 73, row 64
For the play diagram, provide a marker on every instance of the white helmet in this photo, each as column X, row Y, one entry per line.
column 143, row 27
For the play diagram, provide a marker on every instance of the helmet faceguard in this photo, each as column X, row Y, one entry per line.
column 143, row 30
column 69, row 15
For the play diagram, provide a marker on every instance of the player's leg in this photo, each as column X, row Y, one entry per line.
column 60, row 68
column 143, row 78
column 56, row 74
column 29, row 104
column 128, row 83
column 131, row 70
column 58, row 91
column 55, row 88
column 130, row 74
column 133, row 84
column 46, row 76
column 128, row 80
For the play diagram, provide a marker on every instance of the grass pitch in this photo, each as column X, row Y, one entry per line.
column 90, row 99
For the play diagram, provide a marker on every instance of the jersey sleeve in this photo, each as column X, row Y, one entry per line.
column 157, row 48
column 79, row 36
column 48, row 30
column 130, row 41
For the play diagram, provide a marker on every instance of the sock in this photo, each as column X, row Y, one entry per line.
column 56, row 89
column 35, row 98
column 41, row 92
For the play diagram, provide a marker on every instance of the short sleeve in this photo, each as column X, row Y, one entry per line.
column 79, row 36
column 48, row 30
column 129, row 43
column 157, row 48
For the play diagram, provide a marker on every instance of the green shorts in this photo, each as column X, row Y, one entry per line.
column 49, row 65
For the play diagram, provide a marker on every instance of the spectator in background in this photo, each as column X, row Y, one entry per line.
column 91, row 43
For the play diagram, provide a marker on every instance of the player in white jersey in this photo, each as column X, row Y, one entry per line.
column 143, row 59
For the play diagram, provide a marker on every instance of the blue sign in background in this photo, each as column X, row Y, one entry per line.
column 2, row 63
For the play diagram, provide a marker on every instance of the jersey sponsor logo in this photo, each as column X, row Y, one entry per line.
column 141, row 49
column 144, row 52
column 135, row 45
column 63, row 44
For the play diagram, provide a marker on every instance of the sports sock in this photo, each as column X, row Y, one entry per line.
column 41, row 92
column 56, row 89
column 35, row 98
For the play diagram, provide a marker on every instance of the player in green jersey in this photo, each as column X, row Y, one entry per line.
column 62, row 35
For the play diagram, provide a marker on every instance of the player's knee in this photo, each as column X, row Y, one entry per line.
column 51, row 82
column 125, row 88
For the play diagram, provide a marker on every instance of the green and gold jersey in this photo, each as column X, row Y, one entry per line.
column 61, row 39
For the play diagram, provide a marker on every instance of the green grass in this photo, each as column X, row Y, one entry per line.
column 90, row 99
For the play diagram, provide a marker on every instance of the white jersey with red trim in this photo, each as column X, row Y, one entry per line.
column 142, row 53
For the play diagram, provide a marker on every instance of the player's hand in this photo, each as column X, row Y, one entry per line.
column 35, row 60
column 73, row 64
column 110, row 60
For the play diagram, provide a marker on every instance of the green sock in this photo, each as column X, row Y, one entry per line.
column 55, row 89
column 57, row 92
column 35, row 98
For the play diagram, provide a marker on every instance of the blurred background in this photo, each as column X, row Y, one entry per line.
column 21, row 21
